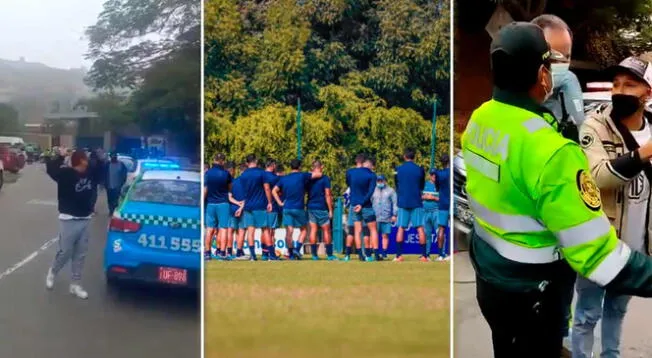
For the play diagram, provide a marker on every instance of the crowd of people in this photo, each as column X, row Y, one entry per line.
column 267, row 198
column 561, row 199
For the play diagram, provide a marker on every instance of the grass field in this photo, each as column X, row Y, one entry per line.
column 311, row 309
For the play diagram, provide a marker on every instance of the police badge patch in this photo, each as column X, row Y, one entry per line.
column 586, row 140
column 588, row 190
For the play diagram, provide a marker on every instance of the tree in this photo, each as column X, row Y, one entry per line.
column 8, row 118
column 605, row 31
column 121, row 42
column 366, row 72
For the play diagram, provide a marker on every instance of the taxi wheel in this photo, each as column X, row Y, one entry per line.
column 112, row 283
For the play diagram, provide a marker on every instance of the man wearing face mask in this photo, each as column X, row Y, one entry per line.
column 566, row 102
column 538, row 212
column 618, row 145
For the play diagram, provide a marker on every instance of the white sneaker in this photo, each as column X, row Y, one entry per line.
column 49, row 279
column 78, row 291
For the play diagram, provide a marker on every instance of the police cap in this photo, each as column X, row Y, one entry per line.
column 522, row 41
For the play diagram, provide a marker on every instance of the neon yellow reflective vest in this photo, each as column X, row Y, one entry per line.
column 533, row 196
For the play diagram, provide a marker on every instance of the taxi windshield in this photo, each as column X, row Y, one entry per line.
column 172, row 192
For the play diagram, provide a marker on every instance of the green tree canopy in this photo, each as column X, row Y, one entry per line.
column 151, row 49
column 8, row 118
column 366, row 72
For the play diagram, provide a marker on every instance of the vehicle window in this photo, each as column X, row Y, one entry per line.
column 173, row 192
column 131, row 166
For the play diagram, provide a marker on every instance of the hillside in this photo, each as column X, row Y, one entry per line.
column 32, row 88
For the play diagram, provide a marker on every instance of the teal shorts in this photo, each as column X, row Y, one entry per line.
column 319, row 217
column 410, row 217
column 385, row 228
column 272, row 220
column 217, row 216
column 366, row 215
column 444, row 216
column 256, row 218
column 295, row 217
column 237, row 223
column 430, row 219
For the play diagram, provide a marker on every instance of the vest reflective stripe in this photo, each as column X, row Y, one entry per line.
column 611, row 266
column 535, row 124
column 505, row 222
column 583, row 233
column 515, row 252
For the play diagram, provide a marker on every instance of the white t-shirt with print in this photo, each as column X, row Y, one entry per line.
column 637, row 195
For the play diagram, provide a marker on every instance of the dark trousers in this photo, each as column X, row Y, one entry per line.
column 112, row 196
column 525, row 324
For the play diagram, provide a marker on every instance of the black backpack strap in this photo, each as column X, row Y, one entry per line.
column 632, row 145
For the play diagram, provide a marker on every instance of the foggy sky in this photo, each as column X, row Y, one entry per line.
column 47, row 31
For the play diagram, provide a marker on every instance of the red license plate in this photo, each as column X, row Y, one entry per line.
column 173, row 276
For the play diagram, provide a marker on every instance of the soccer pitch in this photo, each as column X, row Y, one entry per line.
column 319, row 309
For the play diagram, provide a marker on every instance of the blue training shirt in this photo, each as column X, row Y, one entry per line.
column 444, row 187
column 294, row 187
column 410, row 181
column 216, row 181
column 272, row 179
column 430, row 205
column 252, row 183
column 238, row 194
column 317, row 193
column 362, row 182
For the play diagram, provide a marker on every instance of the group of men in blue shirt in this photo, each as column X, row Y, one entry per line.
column 260, row 199
column 422, row 205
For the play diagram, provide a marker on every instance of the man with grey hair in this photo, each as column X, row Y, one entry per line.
column 566, row 102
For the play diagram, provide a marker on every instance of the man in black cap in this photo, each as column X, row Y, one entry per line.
column 618, row 144
column 538, row 212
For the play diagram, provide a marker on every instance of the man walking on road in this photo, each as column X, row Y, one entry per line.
column 386, row 209
column 410, row 181
column 116, row 176
column 75, row 202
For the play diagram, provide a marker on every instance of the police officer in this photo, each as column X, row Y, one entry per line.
column 538, row 213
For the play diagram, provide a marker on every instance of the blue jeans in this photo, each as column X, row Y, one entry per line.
column 593, row 303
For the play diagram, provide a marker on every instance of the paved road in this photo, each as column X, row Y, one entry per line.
column 473, row 338
column 34, row 322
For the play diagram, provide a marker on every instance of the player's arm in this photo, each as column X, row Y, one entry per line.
column 329, row 196
column 53, row 166
column 235, row 202
column 268, row 192
column 569, row 205
column 370, row 190
column 610, row 173
column 277, row 196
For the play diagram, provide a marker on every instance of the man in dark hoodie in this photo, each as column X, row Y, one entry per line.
column 75, row 194
column 115, row 178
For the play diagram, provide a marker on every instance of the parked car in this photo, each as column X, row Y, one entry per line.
column 155, row 235
column 144, row 165
column 461, row 210
column 10, row 158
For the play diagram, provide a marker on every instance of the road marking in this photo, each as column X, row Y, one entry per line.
column 43, row 202
column 29, row 258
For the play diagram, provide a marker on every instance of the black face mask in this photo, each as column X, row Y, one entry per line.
column 624, row 105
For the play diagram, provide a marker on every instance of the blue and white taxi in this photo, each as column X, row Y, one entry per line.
column 154, row 235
